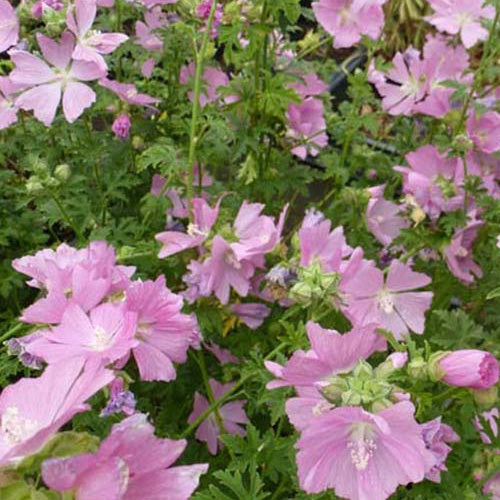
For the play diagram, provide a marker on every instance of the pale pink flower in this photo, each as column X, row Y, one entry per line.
column 91, row 44
column 485, row 131
column 120, row 400
column 223, row 355
column 390, row 303
column 151, row 3
column 42, row 6
column 348, row 20
column 492, row 487
column 491, row 417
column 307, row 126
column 48, row 84
column 252, row 314
column 319, row 244
column 164, row 334
column 145, row 31
column 436, row 435
column 331, row 353
column 33, row 409
column 130, row 464
column 487, row 168
column 9, row 26
column 147, row 67
column 382, row 217
column 458, row 253
column 468, row 368
column 204, row 217
column 308, row 85
column 8, row 107
column 435, row 181
column 232, row 415
column 128, row 93
column 363, row 456
column 105, row 335
column 461, row 16
column 213, row 80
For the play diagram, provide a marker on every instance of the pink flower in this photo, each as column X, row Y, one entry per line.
column 213, row 80
column 257, row 234
column 232, row 414
column 131, row 464
column 307, row 125
column 319, row 243
column 332, row 353
column 382, row 217
column 434, row 180
column 461, row 16
column 203, row 11
column 42, row 6
column 145, row 31
column 491, row 418
column 204, row 217
column 33, row 409
column 363, row 456
column 485, row 131
column 90, row 43
column 9, row 27
column 348, row 20
column 492, row 487
column 458, row 253
column 468, row 368
column 487, row 168
column 223, row 271
column 120, row 400
column 252, row 314
column 390, row 303
column 8, row 107
column 83, row 277
column 151, row 3
column 121, row 126
column 223, row 355
column 164, row 333
column 128, row 92
column 436, row 435
column 309, row 85
column 106, row 335
column 48, row 84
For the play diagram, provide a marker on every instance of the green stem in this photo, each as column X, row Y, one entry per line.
column 193, row 138
column 67, row 218
column 10, row 333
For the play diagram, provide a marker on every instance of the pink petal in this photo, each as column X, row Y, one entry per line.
column 43, row 100
column 77, row 97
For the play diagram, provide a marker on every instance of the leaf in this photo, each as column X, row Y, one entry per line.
column 454, row 328
column 493, row 294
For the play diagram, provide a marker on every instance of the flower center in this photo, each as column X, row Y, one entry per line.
column 386, row 301
column 15, row 428
column 102, row 339
column 361, row 444
column 231, row 259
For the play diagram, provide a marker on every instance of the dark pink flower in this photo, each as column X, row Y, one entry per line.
column 121, row 126
column 232, row 415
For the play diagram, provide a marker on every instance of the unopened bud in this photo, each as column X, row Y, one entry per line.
column 62, row 172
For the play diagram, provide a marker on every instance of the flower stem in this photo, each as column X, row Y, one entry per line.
column 67, row 218
column 193, row 137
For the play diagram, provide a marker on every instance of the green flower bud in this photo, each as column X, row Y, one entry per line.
column 380, row 404
column 435, row 372
column 62, row 172
column 417, row 369
column 485, row 397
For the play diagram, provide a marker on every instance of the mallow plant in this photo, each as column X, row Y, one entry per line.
column 249, row 249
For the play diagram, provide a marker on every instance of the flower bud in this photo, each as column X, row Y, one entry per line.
column 417, row 368
column 121, row 126
column 465, row 368
column 485, row 397
column 62, row 172
column 393, row 362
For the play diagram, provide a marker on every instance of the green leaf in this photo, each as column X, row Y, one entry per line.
column 493, row 294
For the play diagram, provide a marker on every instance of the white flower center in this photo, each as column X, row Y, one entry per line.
column 15, row 428
column 231, row 259
column 195, row 230
column 386, row 301
column 102, row 340
column 361, row 444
